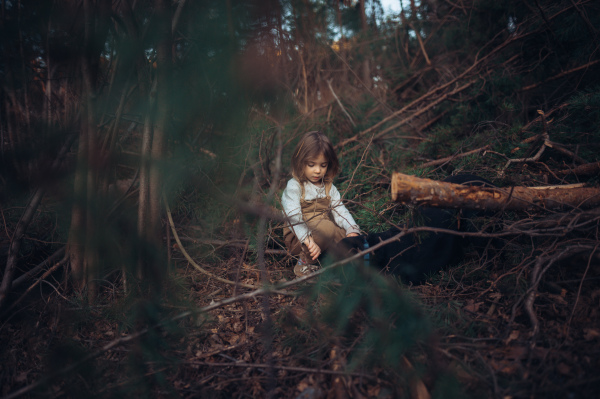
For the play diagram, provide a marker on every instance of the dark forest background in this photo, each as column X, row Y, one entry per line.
column 143, row 149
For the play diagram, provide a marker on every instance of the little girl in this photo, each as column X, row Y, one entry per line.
column 313, row 206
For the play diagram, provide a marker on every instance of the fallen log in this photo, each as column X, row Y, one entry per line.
column 418, row 191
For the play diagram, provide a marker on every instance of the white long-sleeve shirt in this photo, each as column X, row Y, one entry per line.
column 290, row 200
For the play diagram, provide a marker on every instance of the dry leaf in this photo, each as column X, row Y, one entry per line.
column 238, row 326
column 302, row 385
column 504, row 367
column 233, row 339
column 513, row 335
column 472, row 306
column 373, row 391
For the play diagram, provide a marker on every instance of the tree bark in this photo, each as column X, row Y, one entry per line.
column 159, row 140
column 82, row 234
column 588, row 169
column 366, row 68
column 411, row 189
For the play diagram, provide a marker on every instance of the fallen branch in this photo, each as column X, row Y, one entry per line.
column 287, row 368
column 588, row 169
column 340, row 103
column 411, row 189
column 232, row 243
column 30, row 273
column 26, row 218
column 32, row 286
column 560, row 75
column 192, row 261
column 453, row 157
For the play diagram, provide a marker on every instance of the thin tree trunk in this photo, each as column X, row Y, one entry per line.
column 144, row 188
column 342, row 43
column 159, row 140
column 83, row 255
column 366, row 68
column 76, row 242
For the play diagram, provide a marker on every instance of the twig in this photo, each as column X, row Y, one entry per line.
column 564, row 151
column 580, row 285
column 421, row 111
column 189, row 258
column 530, row 159
column 420, row 45
column 30, row 273
column 232, row 243
column 340, row 103
column 261, row 232
column 587, row 169
column 560, row 75
column 453, row 157
column 26, row 218
column 32, row 286
column 536, row 276
column 545, row 115
column 287, row 368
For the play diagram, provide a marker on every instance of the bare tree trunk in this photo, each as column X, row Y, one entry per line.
column 144, row 189
column 76, row 243
column 154, row 142
column 83, row 254
column 411, row 189
column 159, row 140
column 342, row 43
column 366, row 69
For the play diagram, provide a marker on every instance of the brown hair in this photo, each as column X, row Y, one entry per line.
column 311, row 146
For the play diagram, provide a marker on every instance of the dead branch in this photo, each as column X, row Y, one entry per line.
column 288, row 368
column 558, row 147
column 231, row 243
column 340, row 103
column 429, row 106
column 426, row 97
column 54, row 257
column 38, row 281
column 541, row 267
column 26, row 218
column 189, row 258
column 411, row 189
column 420, row 45
column 453, row 157
column 534, row 158
column 542, row 116
column 588, row 169
column 560, row 75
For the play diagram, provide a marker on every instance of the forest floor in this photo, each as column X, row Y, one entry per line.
column 483, row 340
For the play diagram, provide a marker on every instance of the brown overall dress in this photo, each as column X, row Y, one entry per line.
column 319, row 220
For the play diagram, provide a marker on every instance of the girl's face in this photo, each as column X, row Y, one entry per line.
column 315, row 168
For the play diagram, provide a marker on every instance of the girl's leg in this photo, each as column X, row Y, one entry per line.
column 292, row 243
column 326, row 233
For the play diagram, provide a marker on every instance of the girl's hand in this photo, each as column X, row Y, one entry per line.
column 312, row 247
column 352, row 235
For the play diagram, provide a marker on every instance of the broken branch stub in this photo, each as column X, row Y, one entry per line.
column 418, row 191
